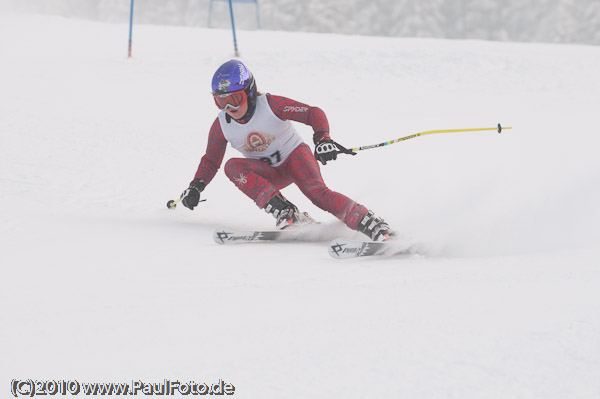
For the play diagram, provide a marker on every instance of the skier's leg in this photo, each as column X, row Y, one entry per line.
column 303, row 169
column 257, row 179
column 262, row 183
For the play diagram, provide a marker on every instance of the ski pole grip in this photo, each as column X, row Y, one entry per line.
column 344, row 150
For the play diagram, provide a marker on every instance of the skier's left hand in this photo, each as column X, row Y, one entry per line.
column 327, row 150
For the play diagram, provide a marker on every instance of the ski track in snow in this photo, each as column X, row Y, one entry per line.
column 103, row 283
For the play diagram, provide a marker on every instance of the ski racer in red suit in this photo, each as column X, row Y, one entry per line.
column 258, row 125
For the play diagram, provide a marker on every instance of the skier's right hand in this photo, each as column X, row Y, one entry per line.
column 191, row 196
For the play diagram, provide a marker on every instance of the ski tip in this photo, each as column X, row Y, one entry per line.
column 338, row 249
column 222, row 234
column 342, row 248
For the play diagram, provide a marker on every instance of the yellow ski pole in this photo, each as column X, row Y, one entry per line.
column 412, row 136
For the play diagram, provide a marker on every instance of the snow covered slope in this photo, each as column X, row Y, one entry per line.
column 102, row 283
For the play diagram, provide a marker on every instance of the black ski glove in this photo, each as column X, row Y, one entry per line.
column 327, row 150
column 191, row 196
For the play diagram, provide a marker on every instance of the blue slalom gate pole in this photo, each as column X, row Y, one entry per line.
column 130, row 29
column 237, row 54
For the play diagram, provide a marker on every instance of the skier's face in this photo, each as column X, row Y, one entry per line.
column 234, row 103
column 238, row 113
column 230, row 100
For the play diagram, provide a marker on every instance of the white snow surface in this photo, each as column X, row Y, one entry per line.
column 101, row 282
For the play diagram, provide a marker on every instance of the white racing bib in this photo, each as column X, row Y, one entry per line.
column 265, row 137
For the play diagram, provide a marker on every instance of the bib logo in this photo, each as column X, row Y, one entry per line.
column 257, row 142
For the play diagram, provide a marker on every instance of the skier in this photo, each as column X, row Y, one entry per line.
column 258, row 125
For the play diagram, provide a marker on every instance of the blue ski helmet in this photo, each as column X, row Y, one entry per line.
column 233, row 76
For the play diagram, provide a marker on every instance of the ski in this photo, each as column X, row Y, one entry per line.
column 342, row 248
column 226, row 235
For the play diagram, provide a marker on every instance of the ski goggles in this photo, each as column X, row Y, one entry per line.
column 231, row 100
